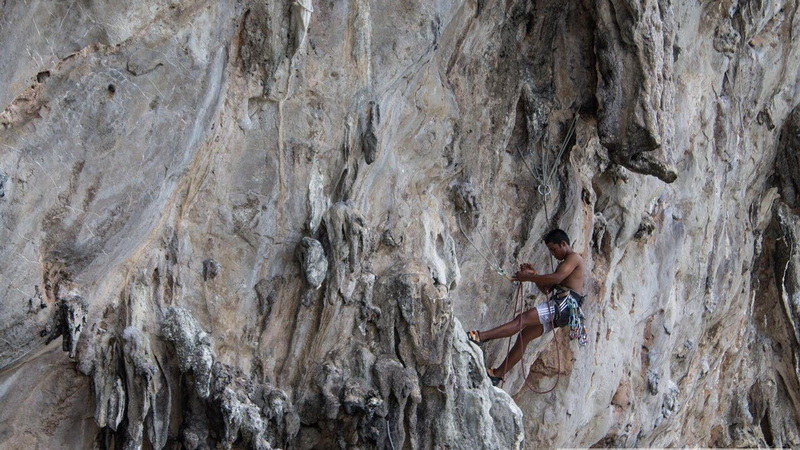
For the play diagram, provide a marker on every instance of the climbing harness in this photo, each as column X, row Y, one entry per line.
column 569, row 301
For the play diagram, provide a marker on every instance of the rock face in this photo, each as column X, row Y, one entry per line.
column 262, row 224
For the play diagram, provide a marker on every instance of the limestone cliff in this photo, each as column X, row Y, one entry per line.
column 240, row 224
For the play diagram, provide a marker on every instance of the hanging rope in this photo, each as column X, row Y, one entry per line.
column 496, row 266
column 389, row 433
column 544, row 190
column 544, row 176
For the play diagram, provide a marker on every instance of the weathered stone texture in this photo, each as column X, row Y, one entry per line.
column 262, row 224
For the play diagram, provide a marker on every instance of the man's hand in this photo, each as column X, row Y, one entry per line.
column 524, row 273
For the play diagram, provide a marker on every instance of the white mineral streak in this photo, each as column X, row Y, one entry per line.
column 302, row 14
column 225, row 225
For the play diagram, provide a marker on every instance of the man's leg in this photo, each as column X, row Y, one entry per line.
column 529, row 318
column 528, row 334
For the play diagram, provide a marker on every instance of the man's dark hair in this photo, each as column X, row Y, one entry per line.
column 556, row 236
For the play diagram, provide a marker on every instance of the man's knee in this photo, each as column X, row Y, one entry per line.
column 529, row 317
column 533, row 315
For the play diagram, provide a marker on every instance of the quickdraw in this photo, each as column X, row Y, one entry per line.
column 496, row 265
column 577, row 326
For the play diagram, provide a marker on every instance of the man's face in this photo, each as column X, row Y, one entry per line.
column 557, row 250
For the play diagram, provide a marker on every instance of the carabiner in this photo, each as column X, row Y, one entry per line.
column 544, row 189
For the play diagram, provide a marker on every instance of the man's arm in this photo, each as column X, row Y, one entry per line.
column 546, row 282
column 544, row 289
column 527, row 267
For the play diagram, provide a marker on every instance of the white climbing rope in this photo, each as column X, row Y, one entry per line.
column 389, row 433
column 486, row 244
column 496, row 266
column 545, row 175
column 544, row 190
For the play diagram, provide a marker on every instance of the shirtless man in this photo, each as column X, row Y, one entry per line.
column 566, row 281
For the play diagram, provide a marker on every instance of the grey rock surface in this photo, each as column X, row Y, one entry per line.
column 262, row 224
column 311, row 257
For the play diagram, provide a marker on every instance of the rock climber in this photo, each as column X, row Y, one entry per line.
column 566, row 282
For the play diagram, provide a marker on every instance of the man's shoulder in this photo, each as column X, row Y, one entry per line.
column 576, row 257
